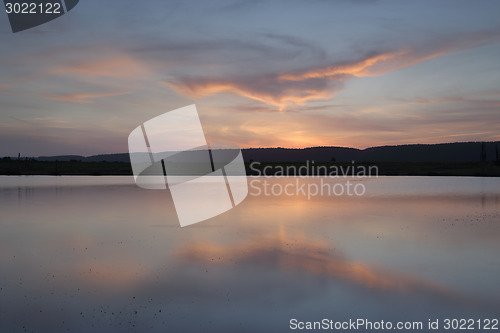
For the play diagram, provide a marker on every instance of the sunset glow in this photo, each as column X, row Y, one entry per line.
column 350, row 74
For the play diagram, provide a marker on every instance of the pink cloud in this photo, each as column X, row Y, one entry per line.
column 82, row 97
column 299, row 87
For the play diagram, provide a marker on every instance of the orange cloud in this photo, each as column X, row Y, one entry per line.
column 471, row 100
column 265, row 90
column 299, row 87
column 297, row 253
column 5, row 85
column 360, row 68
column 83, row 97
column 117, row 66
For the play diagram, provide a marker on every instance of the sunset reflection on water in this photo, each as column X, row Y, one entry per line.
column 110, row 257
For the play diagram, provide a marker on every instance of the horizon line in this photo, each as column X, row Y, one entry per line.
column 279, row 147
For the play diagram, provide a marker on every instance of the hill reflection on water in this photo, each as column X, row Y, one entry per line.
column 99, row 254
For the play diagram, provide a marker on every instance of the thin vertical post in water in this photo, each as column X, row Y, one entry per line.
column 483, row 152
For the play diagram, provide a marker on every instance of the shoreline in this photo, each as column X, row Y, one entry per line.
column 78, row 168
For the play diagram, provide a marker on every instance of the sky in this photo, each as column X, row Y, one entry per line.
column 262, row 73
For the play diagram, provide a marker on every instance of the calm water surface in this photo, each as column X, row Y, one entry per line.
column 98, row 254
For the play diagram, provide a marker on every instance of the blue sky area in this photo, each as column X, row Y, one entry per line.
column 262, row 73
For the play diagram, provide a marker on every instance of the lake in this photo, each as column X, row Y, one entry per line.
column 98, row 254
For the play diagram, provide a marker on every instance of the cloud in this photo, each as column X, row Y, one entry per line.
column 311, row 257
column 483, row 100
column 284, row 89
column 82, row 97
column 468, row 117
column 5, row 85
column 112, row 66
column 59, row 136
column 226, row 55
column 280, row 90
column 266, row 89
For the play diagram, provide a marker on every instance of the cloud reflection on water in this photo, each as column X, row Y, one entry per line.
column 110, row 258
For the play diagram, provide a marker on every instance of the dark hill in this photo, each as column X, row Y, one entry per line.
column 444, row 152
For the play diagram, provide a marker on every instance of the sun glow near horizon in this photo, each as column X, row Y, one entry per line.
column 352, row 82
